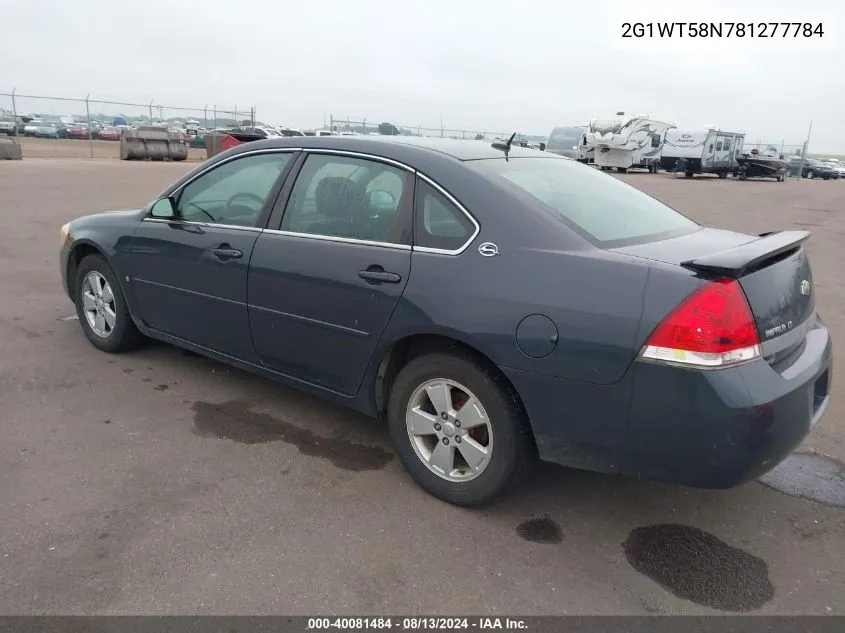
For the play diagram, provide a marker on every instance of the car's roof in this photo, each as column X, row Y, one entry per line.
column 456, row 148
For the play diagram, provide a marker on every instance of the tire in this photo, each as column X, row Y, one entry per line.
column 122, row 335
column 622, row 170
column 723, row 175
column 505, row 430
column 689, row 174
column 811, row 174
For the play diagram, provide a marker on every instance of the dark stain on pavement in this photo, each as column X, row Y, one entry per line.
column 26, row 332
column 128, row 370
column 234, row 421
column 147, row 379
column 542, row 530
column 809, row 476
column 697, row 566
column 161, row 387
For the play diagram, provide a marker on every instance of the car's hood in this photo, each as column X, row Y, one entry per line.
column 107, row 218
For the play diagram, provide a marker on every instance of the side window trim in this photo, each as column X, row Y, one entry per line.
column 459, row 207
column 274, row 222
column 266, row 211
column 277, row 215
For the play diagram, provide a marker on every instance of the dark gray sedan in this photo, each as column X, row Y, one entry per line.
column 491, row 306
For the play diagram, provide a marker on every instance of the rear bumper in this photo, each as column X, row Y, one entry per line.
column 706, row 429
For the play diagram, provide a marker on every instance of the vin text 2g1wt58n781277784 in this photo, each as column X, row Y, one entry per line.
column 722, row 29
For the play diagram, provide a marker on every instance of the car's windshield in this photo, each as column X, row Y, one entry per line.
column 564, row 138
column 606, row 211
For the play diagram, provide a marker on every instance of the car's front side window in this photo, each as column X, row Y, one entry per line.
column 353, row 198
column 233, row 193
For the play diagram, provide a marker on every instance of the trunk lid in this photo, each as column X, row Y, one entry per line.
column 773, row 270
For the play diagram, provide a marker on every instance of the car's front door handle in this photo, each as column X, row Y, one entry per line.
column 380, row 276
column 227, row 253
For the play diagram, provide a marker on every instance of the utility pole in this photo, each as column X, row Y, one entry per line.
column 804, row 152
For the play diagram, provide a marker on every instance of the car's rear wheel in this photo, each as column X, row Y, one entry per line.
column 811, row 174
column 458, row 430
column 102, row 308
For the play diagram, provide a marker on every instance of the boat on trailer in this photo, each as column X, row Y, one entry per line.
column 755, row 164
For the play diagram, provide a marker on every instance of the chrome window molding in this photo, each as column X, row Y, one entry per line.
column 236, row 227
column 331, row 238
column 460, row 207
column 421, row 249
column 334, row 238
column 254, row 152
column 362, row 155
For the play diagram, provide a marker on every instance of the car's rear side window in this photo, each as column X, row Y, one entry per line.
column 438, row 223
column 605, row 210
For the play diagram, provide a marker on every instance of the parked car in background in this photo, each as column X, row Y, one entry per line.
column 7, row 126
column 50, row 129
column 78, row 131
column 288, row 131
column 837, row 167
column 813, row 168
column 109, row 133
column 405, row 278
column 29, row 128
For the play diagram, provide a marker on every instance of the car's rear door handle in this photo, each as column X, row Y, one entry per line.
column 227, row 253
column 379, row 275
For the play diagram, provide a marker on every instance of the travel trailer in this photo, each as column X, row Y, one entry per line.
column 627, row 142
column 707, row 151
column 572, row 142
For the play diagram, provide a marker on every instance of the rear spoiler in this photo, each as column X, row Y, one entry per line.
column 738, row 260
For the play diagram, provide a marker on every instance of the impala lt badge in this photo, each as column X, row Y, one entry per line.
column 805, row 288
column 777, row 330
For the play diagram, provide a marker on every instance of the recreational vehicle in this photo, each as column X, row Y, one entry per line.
column 707, row 151
column 627, row 141
column 572, row 142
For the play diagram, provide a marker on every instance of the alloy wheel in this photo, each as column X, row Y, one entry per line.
column 98, row 304
column 449, row 430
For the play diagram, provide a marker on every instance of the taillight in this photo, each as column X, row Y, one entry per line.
column 713, row 327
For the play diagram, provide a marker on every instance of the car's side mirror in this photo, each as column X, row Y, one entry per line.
column 163, row 208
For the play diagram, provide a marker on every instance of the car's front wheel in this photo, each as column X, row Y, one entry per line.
column 458, row 429
column 102, row 308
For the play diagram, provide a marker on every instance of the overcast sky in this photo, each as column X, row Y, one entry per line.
column 524, row 65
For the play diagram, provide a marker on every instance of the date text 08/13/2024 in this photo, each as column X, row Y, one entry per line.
column 415, row 623
column 722, row 29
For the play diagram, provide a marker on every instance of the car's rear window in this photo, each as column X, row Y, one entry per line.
column 606, row 211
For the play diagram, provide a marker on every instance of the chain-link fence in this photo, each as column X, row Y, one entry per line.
column 779, row 147
column 88, row 127
column 365, row 126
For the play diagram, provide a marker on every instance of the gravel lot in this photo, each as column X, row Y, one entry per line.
column 124, row 489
